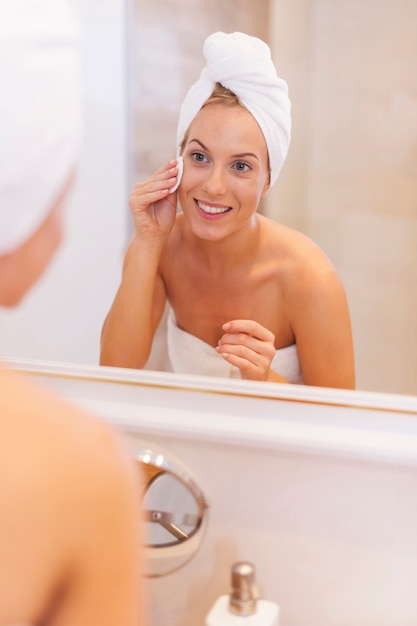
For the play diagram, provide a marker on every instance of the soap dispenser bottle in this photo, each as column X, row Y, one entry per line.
column 243, row 607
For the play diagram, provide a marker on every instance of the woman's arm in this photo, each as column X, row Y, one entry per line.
column 322, row 328
column 129, row 328
column 130, row 325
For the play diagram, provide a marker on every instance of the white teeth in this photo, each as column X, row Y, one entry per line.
column 212, row 209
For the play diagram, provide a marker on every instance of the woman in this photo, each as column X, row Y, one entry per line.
column 249, row 298
column 70, row 513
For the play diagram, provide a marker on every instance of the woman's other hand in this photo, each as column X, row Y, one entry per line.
column 250, row 347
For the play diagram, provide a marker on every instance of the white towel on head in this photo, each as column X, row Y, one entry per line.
column 243, row 64
column 40, row 116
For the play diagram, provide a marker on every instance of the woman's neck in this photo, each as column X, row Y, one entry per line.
column 233, row 251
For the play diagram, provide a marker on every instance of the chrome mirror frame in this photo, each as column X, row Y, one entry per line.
column 167, row 557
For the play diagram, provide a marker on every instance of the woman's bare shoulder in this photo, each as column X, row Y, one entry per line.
column 62, row 472
column 51, row 433
column 292, row 246
column 290, row 240
column 297, row 256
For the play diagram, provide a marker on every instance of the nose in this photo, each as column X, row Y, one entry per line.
column 214, row 183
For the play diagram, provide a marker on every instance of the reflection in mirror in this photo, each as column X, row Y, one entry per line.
column 165, row 59
column 235, row 280
column 175, row 511
column 349, row 181
column 170, row 510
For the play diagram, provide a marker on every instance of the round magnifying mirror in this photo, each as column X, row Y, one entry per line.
column 175, row 511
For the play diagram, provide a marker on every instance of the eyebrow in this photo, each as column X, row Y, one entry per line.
column 235, row 156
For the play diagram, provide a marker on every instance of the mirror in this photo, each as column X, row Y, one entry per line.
column 349, row 181
column 175, row 511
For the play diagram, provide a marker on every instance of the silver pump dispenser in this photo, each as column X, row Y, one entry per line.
column 244, row 590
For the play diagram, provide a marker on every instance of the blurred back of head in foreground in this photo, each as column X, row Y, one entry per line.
column 40, row 124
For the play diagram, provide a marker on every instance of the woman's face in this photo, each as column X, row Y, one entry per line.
column 226, row 171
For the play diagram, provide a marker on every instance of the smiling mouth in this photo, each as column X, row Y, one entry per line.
column 213, row 210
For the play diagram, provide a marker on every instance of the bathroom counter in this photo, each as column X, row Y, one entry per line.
column 317, row 487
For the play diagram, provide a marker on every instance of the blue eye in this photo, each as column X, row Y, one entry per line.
column 240, row 166
column 199, row 157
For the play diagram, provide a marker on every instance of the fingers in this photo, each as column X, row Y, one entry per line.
column 151, row 204
column 250, row 328
column 156, row 187
column 249, row 370
column 249, row 346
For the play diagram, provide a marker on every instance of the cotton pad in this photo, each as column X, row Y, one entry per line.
column 180, row 166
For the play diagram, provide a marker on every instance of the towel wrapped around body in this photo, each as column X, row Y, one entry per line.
column 190, row 355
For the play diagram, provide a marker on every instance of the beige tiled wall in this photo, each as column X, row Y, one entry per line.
column 350, row 181
column 168, row 57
